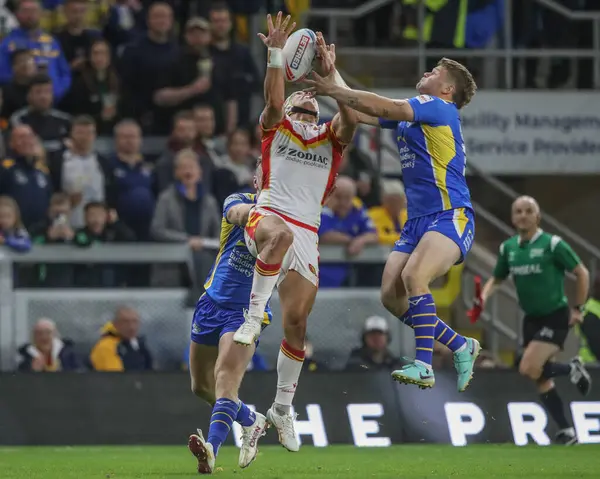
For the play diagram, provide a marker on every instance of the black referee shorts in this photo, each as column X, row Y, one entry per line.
column 551, row 328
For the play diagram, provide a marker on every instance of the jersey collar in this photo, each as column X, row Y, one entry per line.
column 537, row 234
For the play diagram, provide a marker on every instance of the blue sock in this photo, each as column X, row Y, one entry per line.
column 424, row 316
column 406, row 319
column 448, row 337
column 245, row 415
column 224, row 413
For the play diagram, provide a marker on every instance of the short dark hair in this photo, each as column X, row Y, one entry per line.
column 95, row 204
column 83, row 120
column 40, row 79
column 60, row 198
column 219, row 6
column 183, row 115
column 19, row 52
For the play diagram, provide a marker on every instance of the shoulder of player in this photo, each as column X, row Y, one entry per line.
column 239, row 198
column 552, row 240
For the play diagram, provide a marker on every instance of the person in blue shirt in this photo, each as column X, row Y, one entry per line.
column 46, row 50
column 344, row 223
column 25, row 177
column 217, row 364
column 440, row 227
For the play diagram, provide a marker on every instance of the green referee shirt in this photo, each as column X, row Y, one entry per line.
column 538, row 269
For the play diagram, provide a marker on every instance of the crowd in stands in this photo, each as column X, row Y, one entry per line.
column 74, row 70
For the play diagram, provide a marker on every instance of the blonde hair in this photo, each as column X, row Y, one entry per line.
column 464, row 84
column 11, row 203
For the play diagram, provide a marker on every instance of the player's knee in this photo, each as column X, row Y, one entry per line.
column 392, row 302
column 530, row 369
column 414, row 281
column 281, row 239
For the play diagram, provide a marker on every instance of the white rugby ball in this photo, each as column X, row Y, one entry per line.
column 299, row 53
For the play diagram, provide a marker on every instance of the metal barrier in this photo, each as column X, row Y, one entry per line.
column 508, row 53
column 335, row 327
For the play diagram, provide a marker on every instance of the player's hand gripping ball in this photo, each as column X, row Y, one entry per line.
column 299, row 54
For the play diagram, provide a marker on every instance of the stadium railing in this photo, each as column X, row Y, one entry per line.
column 335, row 327
column 507, row 53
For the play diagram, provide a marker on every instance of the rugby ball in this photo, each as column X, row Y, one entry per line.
column 299, row 53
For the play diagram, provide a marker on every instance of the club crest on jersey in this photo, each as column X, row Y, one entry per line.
column 424, row 99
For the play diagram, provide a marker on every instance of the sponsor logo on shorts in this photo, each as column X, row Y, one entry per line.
column 546, row 332
column 299, row 53
column 312, row 269
column 196, row 329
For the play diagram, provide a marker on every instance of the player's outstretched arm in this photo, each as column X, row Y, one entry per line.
column 363, row 101
column 238, row 214
column 274, row 88
column 345, row 122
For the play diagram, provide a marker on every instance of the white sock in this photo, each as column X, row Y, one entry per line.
column 289, row 367
column 263, row 283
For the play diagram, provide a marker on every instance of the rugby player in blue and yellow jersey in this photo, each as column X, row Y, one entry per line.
column 217, row 364
column 440, row 227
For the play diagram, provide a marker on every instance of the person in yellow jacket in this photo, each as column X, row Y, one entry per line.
column 389, row 218
column 121, row 348
column 589, row 332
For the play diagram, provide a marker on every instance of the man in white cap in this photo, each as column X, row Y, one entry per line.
column 374, row 353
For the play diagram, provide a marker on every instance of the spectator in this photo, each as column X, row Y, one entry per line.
column 143, row 65
column 46, row 50
column 80, row 171
column 186, row 212
column 12, row 232
column 132, row 179
column 344, row 223
column 96, row 91
column 7, row 19
column 123, row 24
column 25, row 177
column 374, row 353
column 238, row 159
column 309, row 363
column 183, row 137
column 233, row 61
column 55, row 229
column 99, row 229
column 55, row 15
column 206, row 144
column 191, row 81
column 121, row 348
column 74, row 38
column 51, row 125
column 14, row 93
column 389, row 218
column 359, row 167
column 47, row 352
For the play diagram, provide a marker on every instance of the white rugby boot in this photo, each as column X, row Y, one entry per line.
column 284, row 423
column 249, row 331
column 250, row 437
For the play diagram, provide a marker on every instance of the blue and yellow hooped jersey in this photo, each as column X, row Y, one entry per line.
column 432, row 156
column 230, row 280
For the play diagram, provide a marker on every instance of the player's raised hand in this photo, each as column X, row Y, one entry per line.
column 320, row 85
column 278, row 32
column 325, row 55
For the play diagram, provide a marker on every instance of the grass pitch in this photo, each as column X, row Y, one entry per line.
column 406, row 462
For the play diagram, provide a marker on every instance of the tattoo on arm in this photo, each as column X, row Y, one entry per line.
column 385, row 113
column 353, row 101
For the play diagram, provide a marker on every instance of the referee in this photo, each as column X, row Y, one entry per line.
column 538, row 262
